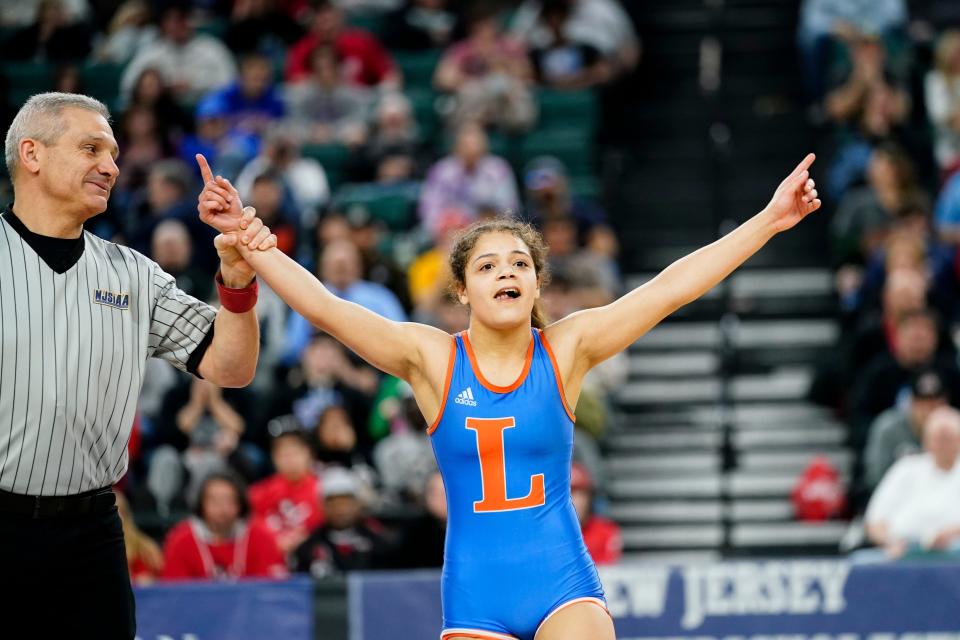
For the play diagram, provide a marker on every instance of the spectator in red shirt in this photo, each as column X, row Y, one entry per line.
column 364, row 61
column 602, row 535
column 218, row 542
column 348, row 540
column 288, row 502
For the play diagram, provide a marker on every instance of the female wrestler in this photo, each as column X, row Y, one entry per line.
column 499, row 399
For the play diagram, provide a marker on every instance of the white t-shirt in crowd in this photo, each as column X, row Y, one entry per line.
column 917, row 499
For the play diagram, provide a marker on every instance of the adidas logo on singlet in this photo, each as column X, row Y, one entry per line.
column 466, row 397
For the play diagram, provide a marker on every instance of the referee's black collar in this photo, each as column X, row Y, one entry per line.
column 59, row 253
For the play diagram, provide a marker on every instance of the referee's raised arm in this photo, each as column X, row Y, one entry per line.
column 231, row 358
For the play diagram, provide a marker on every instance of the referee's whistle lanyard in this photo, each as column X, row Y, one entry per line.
column 202, row 538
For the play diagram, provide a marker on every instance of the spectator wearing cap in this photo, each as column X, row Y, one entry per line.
column 471, row 179
column 601, row 535
column 219, row 542
column 916, row 508
column 253, row 101
column 288, row 502
column 226, row 148
column 191, row 64
column 548, row 196
column 898, row 432
column 885, row 381
column 348, row 540
column 364, row 60
column 577, row 225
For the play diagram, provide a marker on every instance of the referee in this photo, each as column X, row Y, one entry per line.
column 79, row 316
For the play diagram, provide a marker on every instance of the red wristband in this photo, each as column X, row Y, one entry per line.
column 237, row 300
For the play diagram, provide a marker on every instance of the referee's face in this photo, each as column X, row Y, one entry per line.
column 80, row 168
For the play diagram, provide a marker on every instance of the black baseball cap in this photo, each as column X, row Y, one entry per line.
column 928, row 384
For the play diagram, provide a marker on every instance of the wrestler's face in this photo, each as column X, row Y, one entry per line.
column 78, row 168
column 501, row 281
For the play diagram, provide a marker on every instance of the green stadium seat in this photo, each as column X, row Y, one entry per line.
column 584, row 186
column 216, row 27
column 423, row 102
column 571, row 145
column 332, row 157
column 417, row 67
column 568, row 109
column 102, row 81
column 6, row 33
column 373, row 23
column 391, row 204
column 25, row 79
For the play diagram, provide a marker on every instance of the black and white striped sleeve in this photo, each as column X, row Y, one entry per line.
column 181, row 327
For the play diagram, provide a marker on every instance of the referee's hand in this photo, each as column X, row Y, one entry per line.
column 218, row 203
column 253, row 236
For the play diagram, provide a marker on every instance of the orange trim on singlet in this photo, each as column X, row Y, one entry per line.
column 556, row 375
column 475, row 633
column 446, row 385
column 489, row 385
column 589, row 599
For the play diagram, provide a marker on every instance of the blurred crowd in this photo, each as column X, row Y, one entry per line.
column 882, row 82
column 365, row 169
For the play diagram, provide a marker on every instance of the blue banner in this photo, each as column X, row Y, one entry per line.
column 395, row 604
column 797, row 599
column 248, row 610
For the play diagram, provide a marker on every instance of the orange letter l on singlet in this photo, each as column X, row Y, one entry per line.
column 493, row 471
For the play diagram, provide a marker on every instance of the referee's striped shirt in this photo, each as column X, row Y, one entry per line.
column 77, row 324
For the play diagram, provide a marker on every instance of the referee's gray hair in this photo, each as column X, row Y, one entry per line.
column 39, row 118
